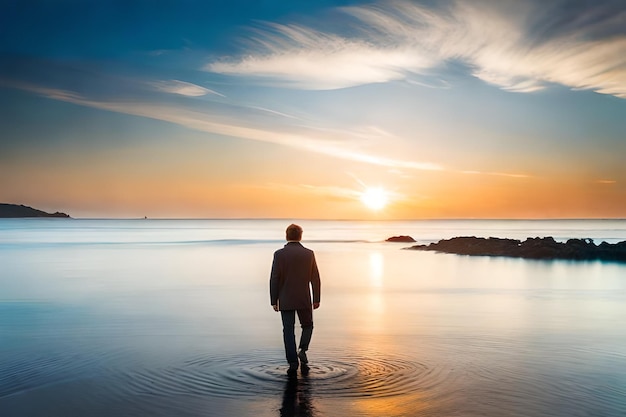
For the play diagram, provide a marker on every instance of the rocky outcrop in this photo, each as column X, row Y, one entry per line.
column 404, row 239
column 21, row 211
column 531, row 248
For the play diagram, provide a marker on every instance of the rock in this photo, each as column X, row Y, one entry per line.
column 21, row 211
column 405, row 239
column 531, row 248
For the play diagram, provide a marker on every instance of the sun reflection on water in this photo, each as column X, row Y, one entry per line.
column 375, row 298
column 376, row 270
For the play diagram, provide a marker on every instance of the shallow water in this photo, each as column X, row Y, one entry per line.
column 162, row 318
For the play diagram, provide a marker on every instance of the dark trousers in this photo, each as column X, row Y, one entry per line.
column 305, row 317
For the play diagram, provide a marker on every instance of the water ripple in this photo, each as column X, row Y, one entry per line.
column 25, row 372
column 263, row 374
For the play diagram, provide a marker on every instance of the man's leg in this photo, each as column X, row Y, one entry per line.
column 306, row 322
column 289, row 336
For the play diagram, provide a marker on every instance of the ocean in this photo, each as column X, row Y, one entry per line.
column 172, row 318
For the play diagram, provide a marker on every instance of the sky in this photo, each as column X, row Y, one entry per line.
column 314, row 109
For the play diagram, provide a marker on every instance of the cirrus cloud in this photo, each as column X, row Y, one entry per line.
column 182, row 88
column 307, row 58
column 510, row 44
column 303, row 138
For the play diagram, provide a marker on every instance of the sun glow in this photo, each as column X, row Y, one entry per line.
column 375, row 198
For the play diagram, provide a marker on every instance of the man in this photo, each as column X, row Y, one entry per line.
column 294, row 274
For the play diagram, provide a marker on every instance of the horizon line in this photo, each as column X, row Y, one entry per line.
column 328, row 219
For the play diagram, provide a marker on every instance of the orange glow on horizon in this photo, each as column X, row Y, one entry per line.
column 196, row 190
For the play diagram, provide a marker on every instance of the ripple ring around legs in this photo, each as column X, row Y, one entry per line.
column 262, row 373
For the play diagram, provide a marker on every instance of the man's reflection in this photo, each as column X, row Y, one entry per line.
column 296, row 399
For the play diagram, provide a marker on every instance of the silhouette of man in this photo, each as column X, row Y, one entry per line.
column 294, row 274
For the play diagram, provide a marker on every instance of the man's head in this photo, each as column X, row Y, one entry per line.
column 294, row 232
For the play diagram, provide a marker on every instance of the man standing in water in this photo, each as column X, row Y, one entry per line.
column 294, row 275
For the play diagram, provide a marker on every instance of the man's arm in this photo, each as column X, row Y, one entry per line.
column 275, row 282
column 316, row 284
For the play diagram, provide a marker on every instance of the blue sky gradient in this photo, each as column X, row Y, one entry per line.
column 464, row 109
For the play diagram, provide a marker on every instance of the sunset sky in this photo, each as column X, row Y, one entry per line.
column 295, row 109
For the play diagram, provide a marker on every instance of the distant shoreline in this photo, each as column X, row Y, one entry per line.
column 19, row 211
column 303, row 219
column 9, row 210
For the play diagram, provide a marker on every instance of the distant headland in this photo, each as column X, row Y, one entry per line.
column 532, row 248
column 21, row 211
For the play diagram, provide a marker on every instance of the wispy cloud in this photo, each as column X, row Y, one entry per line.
column 275, row 112
column 52, row 93
column 497, row 174
column 307, row 58
column 182, row 88
column 510, row 44
column 332, row 191
column 327, row 190
column 305, row 139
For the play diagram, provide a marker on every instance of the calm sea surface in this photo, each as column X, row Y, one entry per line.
column 172, row 318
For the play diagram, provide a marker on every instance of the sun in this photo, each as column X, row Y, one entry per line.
column 375, row 198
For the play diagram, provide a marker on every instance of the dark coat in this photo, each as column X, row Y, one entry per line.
column 293, row 269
